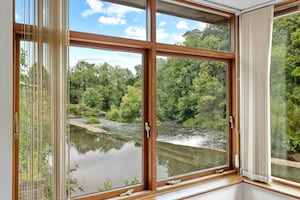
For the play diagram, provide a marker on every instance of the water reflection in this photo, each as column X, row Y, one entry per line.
column 117, row 155
column 84, row 141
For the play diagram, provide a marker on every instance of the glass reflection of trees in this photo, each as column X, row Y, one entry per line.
column 85, row 141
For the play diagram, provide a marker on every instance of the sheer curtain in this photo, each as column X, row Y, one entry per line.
column 255, row 52
column 42, row 98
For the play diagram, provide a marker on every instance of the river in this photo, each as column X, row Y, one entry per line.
column 114, row 159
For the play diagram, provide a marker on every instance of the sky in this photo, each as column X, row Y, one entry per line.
column 100, row 17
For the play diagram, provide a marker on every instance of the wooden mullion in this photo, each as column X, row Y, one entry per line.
column 94, row 39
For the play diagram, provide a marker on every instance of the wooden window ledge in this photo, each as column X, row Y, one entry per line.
column 206, row 184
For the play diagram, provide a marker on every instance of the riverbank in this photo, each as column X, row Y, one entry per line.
column 90, row 127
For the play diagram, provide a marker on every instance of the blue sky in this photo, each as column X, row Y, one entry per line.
column 100, row 17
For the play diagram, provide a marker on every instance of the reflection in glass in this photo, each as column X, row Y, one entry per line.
column 191, row 111
column 105, row 102
column 285, row 98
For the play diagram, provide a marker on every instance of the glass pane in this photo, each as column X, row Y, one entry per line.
column 188, row 26
column 35, row 140
column 191, row 112
column 24, row 12
column 120, row 18
column 105, row 91
column 285, row 98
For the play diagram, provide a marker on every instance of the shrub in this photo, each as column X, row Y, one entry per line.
column 92, row 120
column 113, row 114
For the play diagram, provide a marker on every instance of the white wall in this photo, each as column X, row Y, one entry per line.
column 242, row 191
column 6, row 51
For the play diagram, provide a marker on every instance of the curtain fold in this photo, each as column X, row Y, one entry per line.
column 255, row 55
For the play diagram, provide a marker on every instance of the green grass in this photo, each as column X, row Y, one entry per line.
column 92, row 120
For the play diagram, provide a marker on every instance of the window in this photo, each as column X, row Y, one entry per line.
column 138, row 104
column 105, row 118
column 125, row 19
column 191, row 113
column 184, row 25
column 285, row 99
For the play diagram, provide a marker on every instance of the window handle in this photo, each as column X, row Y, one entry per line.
column 147, row 129
column 231, row 121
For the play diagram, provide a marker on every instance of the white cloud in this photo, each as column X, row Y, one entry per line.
column 114, row 58
column 162, row 23
column 136, row 32
column 176, row 38
column 182, row 25
column 161, row 35
column 111, row 20
column 201, row 26
column 95, row 7
column 17, row 16
column 114, row 14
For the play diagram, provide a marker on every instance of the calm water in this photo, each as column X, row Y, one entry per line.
column 117, row 155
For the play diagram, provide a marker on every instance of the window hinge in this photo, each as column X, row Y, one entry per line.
column 231, row 121
column 16, row 122
column 127, row 193
column 147, row 129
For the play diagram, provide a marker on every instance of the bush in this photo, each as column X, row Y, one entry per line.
column 74, row 109
column 88, row 112
column 113, row 114
column 190, row 123
column 92, row 120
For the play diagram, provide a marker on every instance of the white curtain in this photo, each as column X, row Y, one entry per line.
column 255, row 53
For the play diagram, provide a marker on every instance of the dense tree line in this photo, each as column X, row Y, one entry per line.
column 189, row 91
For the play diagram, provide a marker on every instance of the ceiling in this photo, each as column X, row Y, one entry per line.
column 237, row 6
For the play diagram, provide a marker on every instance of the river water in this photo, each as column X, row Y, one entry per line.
column 114, row 159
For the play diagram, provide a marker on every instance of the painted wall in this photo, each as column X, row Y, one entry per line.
column 6, row 51
column 242, row 191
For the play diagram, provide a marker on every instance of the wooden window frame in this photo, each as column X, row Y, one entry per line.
column 148, row 49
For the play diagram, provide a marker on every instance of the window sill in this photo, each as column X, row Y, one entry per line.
column 206, row 184
column 188, row 189
column 278, row 186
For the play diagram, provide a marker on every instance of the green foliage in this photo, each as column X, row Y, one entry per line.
column 92, row 98
column 113, row 114
column 107, row 185
column 131, row 104
column 92, row 120
column 285, row 86
column 73, row 184
column 134, row 181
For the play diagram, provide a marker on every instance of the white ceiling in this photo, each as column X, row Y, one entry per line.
column 237, row 6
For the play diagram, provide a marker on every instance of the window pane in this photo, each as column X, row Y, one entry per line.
column 285, row 98
column 120, row 18
column 105, row 90
column 191, row 112
column 187, row 26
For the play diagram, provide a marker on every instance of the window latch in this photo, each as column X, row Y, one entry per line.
column 127, row 193
column 231, row 121
column 147, row 129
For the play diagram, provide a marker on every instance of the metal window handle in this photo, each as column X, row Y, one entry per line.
column 147, row 129
column 231, row 121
